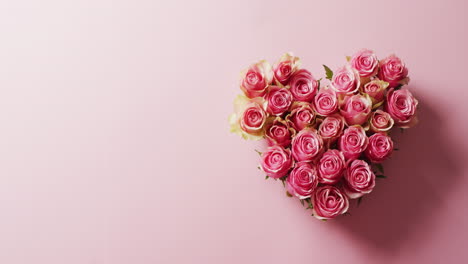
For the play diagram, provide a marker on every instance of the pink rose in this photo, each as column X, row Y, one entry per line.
column 345, row 80
column 303, row 86
column 356, row 109
column 306, row 145
column 401, row 105
column 359, row 178
column 331, row 166
column 380, row 121
column 278, row 132
column 353, row 142
column 380, row 147
column 365, row 62
column 302, row 115
column 285, row 67
column 376, row 90
column 331, row 127
column 302, row 180
column 278, row 100
column 393, row 71
column 326, row 102
column 253, row 118
column 276, row 161
column 256, row 79
column 329, row 202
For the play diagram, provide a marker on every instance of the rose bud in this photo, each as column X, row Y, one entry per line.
column 365, row 62
column 255, row 80
column 278, row 100
column 306, row 145
column 303, row 86
column 356, row 109
column 278, row 132
column 249, row 118
column 302, row 115
column 326, row 102
column 345, row 80
column 401, row 105
column 331, row 127
column 359, row 178
column 331, row 166
column 302, row 180
column 393, row 71
column 353, row 142
column 329, row 202
column 380, row 147
column 380, row 121
column 376, row 91
column 285, row 67
column 276, row 161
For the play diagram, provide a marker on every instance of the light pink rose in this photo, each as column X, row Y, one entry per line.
column 253, row 119
column 345, row 80
column 278, row 100
column 365, row 62
column 278, row 132
column 359, row 178
column 302, row 180
column 256, row 79
column 276, row 161
column 353, row 142
column 302, row 115
column 331, row 166
column 306, row 145
column 380, row 147
column 331, row 127
column 356, row 109
column 401, row 105
column 376, row 91
column 393, row 71
column 285, row 67
column 303, row 86
column 380, row 121
column 329, row 202
column 326, row 102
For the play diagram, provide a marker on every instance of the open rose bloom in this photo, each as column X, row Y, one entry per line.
column 327, row 137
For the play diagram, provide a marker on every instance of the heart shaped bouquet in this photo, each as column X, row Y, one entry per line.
column 327, row 137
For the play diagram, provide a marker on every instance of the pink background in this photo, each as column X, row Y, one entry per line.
column 115, row 145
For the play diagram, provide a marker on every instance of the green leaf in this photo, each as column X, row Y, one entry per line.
column 328, row 72
column 402, row 130
column 310, row 204
column 381, row 176
column 259, row 153
column 359, row 201
column 398, row 87
column 380, row 167
column 324, row 220
column 348, row 58
column 267, row 177
column 302, row 202
column 288, row 194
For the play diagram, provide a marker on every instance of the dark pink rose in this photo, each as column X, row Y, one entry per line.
column 345, row 80
column 302, row 180
column 302, row 115
column 393, row 71
column 303, row 86
column 306, row 145
column 329, row 202
column 359, row 178
column 256, row 79
column 331, row 166
column 365, row 62
column 326, row 102
column 331, row 127
column 380, row 147
column 286, row 66
column 353, row 142
column 380, row 121
column 278, row 100
column 276, row 161
column 401, row 105
column 356, row 109
column 278, row 132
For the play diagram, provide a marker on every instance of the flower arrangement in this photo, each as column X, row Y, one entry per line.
column 327, row 137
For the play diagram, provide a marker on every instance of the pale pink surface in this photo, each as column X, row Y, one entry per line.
column 115, row 145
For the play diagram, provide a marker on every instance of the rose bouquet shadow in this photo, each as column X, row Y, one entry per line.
column 403, row 205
